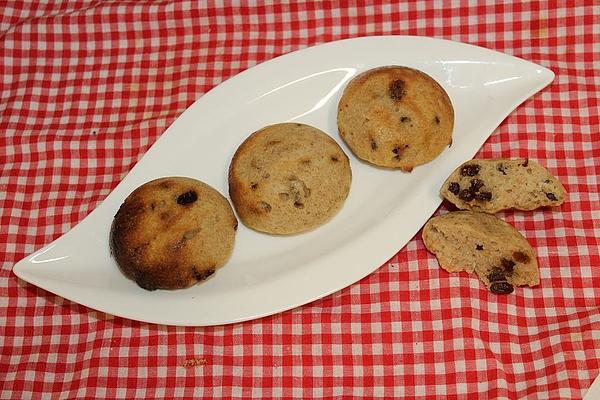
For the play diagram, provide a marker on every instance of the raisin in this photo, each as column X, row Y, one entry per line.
column 502, row 287
column 437, row 120
column 551, row 196
column 373, row 145
column 470, row 170
column 525, row 163
column 405, row 119
column 521, row 257
column 479, row 247
column 298, row 204
column 397, row 89
column 334, row 159
column 454, row 188
column 507, row 264
column 476, row 184
column 254, row 186
column 187, row 197
column 484, row 196
column 496, row 275
column 502, row 169
column 466, row 195
column 398, row 151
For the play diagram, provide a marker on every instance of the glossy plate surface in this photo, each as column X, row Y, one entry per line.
column 268, row 274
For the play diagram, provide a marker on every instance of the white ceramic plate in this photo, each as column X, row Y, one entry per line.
column 269, row 274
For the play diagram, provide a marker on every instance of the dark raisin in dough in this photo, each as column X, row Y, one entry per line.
column 454, row 188
column 502, row 287
column 466, row 195
column 476, row 184
column 496, row 275
column 484, row 196
column 397, row 89
column 187, row 197
column 469, row 170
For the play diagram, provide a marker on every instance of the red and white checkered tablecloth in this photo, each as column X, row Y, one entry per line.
column 88, row 86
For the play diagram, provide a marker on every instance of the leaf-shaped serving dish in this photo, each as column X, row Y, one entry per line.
column 268, row 274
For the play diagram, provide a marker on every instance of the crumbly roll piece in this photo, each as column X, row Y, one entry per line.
column 481, row 243
column 288, row 178
column 500, row 184
column 173, row 232
column 395, row 117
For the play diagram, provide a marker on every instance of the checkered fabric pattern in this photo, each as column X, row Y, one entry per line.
column 88, row 86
